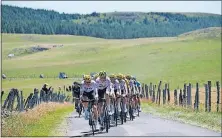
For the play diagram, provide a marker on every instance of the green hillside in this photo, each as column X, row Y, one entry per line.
column 171, row 59
column 114, row 25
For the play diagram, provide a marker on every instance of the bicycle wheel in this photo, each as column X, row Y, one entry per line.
column 115, row 114
column 131, row 112
column 106, row 119
column 138, row 113
column 93, row 124
column 122, row 112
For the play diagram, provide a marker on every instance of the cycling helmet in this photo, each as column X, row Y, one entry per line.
column 120, row 76
column 112, row 76
column 102, row 74
column 87, row 78
column 133, row 77
column 128, row 77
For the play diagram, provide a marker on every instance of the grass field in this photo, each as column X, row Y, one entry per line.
column 175, row 60
column 39, row 121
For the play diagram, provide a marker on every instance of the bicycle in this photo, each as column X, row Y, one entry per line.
column 79, row 106
column 114, row 107
column 138, row 107
column 92, row 120
column 116, row 112
column 122, row 114
column 131, row 108
column 106, row 118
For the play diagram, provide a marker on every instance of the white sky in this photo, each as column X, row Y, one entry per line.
column 111, row 6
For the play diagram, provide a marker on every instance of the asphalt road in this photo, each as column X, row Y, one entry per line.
column 145, row 125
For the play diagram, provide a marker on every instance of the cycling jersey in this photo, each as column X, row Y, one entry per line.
column 137, row 83
column 123, row 86
column 131, row 83
column 103, row 84
column 116, row 85
column 76, row 91
column 88, row 87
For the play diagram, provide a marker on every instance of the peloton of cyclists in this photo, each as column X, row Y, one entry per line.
column 101, row 87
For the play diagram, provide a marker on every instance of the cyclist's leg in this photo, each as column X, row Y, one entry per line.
column 85, row 104
column 108, row 101
column 94, row 106
column 75, row 100
column 124, row 100
column 111, row 102
column 101, row 95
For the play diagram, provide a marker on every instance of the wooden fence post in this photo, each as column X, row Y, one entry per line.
column 10, row 103
column 218, row 95
column 184, row 95
column 209, row 85
column 150, row 90
column 36, row 92
column 157, row 95
column 175, row 97
column 18, row 100
column 164, row 96
column 168, row 93
column 189, row 95
column 190, row 89
column 153, row 96
column 159, row 91
column 181, row 98
column 32, row 102
column 147, row 94
column 196, row 104
column 206, row 97
column 22, row 102
column 41, row 96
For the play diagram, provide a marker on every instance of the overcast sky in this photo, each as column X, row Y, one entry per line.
column 111, row 6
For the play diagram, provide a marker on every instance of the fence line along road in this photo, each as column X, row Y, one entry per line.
column 183, row 97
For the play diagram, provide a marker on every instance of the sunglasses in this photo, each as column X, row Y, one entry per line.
column 88, row 82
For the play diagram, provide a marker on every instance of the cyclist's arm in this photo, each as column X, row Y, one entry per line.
column 127, row 86
column 117, row 85
column 81, row 88
column 109, row 85
column 96, row 88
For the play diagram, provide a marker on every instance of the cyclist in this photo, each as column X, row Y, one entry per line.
column 123, row 89
column 138, row 87
column 89, row 90
column 133, row 94
column 116, row 87
column 76, row 93
column 103, row 84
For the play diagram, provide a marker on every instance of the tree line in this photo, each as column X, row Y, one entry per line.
column 115, row 25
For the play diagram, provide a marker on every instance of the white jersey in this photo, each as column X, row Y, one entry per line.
column 116, row 85
column 123, row 86
column 103, row 84
column 131, row 83
column 88, row 87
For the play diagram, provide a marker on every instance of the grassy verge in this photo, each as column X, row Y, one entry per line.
column 207, row 120
column 37, row 122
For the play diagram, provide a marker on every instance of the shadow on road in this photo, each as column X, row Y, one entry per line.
column 89, row 133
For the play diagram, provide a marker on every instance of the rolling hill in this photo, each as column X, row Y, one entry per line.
column 171, row 59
